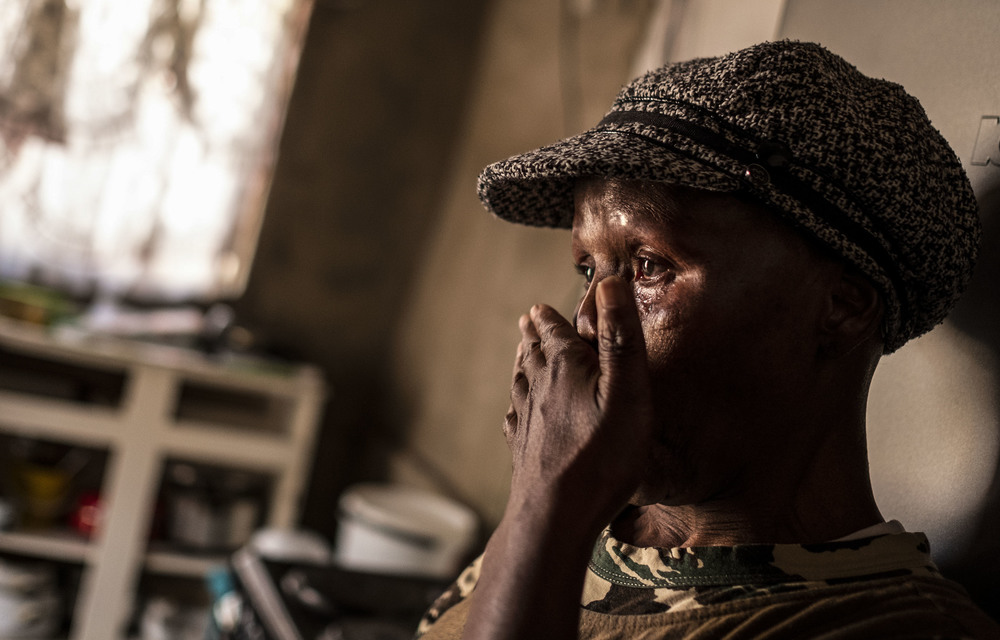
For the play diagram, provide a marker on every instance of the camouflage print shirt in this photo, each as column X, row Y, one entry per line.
column 878, row 587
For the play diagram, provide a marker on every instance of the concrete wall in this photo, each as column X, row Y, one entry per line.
column 377, row 108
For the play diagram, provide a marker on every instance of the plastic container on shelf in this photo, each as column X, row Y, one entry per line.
column 390, row 528
column 212, row 509
column 29, row 600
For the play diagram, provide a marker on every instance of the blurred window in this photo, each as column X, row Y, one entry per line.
column 137, row 140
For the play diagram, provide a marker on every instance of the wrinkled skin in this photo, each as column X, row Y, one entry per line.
column 712, row 391
column 727, row 298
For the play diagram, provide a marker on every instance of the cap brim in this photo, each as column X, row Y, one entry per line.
column 536, row 188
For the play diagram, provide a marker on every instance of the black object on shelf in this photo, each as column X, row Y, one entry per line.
column 286, row 601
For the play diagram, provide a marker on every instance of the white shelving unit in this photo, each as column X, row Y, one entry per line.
column 173, row 404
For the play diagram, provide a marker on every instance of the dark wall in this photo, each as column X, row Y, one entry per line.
column 978, row 314
column 369, row 135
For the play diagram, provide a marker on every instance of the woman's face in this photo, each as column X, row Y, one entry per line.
column 729, row 298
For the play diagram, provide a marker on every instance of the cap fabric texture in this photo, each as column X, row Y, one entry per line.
column 849, row 160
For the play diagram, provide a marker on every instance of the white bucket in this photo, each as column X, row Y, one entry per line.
column 389, row 528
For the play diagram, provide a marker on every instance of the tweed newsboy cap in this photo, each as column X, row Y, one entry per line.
column 849, row 160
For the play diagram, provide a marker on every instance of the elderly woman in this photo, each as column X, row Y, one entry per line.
column 754, row 232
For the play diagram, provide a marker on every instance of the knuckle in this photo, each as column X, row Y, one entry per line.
column 561, row 332
column 550, row 324
column 556, row 350
column 533, row 360
column 568, row 360
column 612, row 340
column 520, row 379
column 519, row 389
column 510, row 423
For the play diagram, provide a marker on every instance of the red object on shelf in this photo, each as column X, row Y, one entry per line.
column 87, row 515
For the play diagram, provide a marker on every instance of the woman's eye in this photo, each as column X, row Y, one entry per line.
column 647, row 268
column 586, row 271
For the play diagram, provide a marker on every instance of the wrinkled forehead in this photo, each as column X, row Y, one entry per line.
column 633, row 200
column 629, row 202
column 700, row 221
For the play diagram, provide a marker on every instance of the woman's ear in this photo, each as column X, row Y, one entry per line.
column 853, row 314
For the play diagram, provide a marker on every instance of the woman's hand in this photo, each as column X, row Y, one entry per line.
column 579, row 428
column 580, row 424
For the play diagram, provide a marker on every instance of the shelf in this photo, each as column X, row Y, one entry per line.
column 67, row 546
column 187, row 565
column 64, row 545
column 210, row 442
column 109, row 355
column 59, row 419
column 140, row 406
